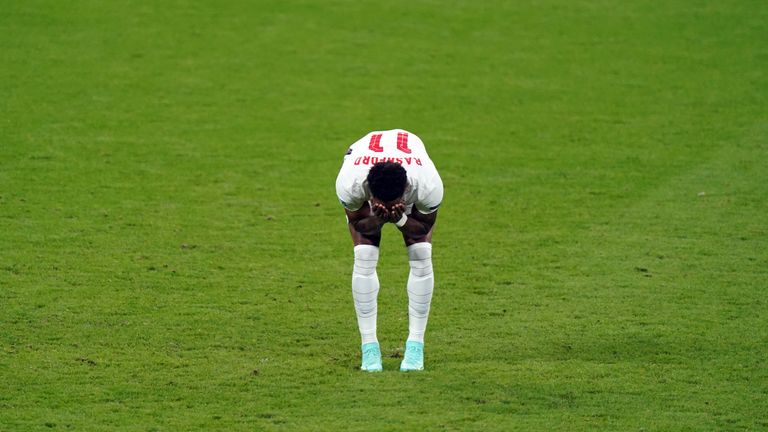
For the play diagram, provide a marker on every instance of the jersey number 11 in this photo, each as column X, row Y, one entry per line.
column 402, row 143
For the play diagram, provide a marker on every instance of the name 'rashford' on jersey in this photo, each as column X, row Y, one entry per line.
column 424, row 189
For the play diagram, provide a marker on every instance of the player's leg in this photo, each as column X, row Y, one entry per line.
column 421, row 281
column 365, row 290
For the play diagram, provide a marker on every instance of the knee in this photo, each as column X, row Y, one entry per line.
column 366, row 259
column 420, row 259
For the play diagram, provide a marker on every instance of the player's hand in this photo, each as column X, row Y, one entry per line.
column 396, row 212
column 381, row 212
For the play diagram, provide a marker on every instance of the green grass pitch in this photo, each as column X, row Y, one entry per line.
column 173, row 256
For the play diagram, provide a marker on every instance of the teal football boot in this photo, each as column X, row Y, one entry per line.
column 413, row 360
column 371, row 357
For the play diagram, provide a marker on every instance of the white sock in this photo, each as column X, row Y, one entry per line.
column 365, row 290
column 421, row 281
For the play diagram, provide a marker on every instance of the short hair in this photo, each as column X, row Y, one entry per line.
column 387, row 180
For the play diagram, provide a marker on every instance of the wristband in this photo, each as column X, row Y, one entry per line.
column 402, row 221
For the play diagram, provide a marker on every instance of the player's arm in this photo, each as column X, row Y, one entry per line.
column 417, row 224
column 367, row 221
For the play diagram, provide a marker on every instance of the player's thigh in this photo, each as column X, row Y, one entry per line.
column 421, row 239
column 361, row 239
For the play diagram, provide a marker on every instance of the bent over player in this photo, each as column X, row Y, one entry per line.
column 387, row 177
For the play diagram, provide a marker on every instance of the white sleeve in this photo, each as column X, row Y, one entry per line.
column 349, row 197
column 430, row 198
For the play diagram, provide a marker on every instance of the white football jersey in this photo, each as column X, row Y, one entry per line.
column 424, row 189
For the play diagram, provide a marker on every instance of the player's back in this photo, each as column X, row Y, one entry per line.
column 396, row 145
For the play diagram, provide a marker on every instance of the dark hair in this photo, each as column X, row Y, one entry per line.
column 387, row 180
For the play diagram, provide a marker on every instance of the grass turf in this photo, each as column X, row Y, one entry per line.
column 172, row 255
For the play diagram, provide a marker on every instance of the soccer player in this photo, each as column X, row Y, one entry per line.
column 387, row 177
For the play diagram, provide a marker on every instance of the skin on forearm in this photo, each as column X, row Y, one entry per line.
column 368, row 225
column 415, row 228
column 365, row 221
column 368, row 220
column 418, row 225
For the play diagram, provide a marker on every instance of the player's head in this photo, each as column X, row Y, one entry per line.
column 387, row 181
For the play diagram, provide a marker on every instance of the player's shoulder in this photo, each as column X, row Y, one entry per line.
column 351, row 188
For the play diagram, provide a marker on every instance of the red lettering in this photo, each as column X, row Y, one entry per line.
column 399, row 160
column 408, row 161
column 375, row 144
column 418, row 161
column 402, row 142
column 357, row 161
column 366, row 160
